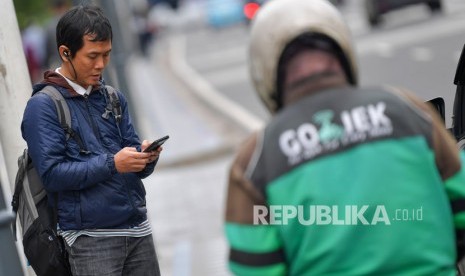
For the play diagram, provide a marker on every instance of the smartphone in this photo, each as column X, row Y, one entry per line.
column 156, row 144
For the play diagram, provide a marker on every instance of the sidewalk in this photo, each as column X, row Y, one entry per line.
column 186, row 207
column 185, row 195
column 161, row 110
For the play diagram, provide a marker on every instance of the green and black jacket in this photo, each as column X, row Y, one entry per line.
column 377, row 152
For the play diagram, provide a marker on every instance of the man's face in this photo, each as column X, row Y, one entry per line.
column 90, row 61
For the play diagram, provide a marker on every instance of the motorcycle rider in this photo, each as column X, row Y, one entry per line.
column 343, row 180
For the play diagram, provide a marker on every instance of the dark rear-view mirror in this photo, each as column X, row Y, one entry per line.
column 439, row 105
column 458, row 117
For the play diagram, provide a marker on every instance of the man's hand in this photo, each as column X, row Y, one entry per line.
column 154, row 154
column 130, row 160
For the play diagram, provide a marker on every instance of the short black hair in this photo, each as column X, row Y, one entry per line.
column 80, row 21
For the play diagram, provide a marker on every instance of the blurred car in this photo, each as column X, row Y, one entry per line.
column 376, row 8
column 221, row 13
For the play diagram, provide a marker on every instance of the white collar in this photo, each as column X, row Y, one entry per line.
column 79, row 89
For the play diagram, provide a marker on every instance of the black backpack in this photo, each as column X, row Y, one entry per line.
column 42, row 246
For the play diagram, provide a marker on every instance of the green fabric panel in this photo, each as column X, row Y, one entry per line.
column 459, row 220
column 253, row 238
column 455, row 185
column 361, row 177
column 272, row 270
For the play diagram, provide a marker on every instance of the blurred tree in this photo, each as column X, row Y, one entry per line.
column 27, row 10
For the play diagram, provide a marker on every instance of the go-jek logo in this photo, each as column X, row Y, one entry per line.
column 358, row 124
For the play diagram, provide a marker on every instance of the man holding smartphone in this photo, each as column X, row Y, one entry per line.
column 102, row 213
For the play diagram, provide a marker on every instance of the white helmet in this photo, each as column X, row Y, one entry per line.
column 280, row 22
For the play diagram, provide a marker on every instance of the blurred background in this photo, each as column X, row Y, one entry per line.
column 183, row 66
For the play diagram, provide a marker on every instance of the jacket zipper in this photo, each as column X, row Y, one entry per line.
column 91, row 120
column 97, row 134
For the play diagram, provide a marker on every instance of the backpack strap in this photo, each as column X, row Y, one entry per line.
column 22, row 167
column 24, row 161
column 113, row 106
column 64, row 115
column 115, row 103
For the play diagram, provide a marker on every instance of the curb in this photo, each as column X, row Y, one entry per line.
column 212, row 105
column 205, row 91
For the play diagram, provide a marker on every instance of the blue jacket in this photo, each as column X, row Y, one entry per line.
column 91, row 193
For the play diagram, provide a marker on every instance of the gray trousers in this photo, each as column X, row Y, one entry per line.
column 111, row 256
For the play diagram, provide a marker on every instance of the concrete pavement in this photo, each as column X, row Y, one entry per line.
column 186, row 206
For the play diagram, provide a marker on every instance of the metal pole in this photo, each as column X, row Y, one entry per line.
column 15, row 89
